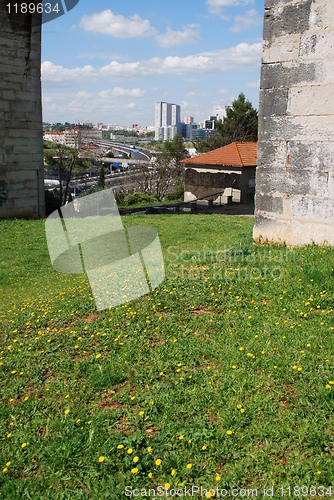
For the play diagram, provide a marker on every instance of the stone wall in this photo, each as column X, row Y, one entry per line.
column 21, row 143
column 295, row 174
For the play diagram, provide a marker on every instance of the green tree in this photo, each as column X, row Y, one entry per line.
column 169, row 162
column 240, row 124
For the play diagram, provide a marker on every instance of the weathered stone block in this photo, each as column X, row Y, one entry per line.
column 313, row 100
column 287, row 75
column 269, row 203
column 287, row 20
column 282, row 49
column 273, row 102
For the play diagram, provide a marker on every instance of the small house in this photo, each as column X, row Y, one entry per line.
column 223, row 175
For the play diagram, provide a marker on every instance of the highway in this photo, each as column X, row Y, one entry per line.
column 136, row 153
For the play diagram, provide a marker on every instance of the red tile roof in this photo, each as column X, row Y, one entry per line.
column 238, row 154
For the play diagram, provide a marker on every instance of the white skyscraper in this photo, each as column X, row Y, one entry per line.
column 167, row 118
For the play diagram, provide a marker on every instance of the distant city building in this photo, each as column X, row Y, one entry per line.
column 72, row 138
column 91, row 133
column 167, row 119
column 57, row 137
column 203, row 133
column 188, row 120
column 186, row 130
column 210, row 123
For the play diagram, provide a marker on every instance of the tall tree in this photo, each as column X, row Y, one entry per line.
column 240, row 124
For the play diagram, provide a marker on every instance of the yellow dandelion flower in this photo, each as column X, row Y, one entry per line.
column 4, row 470
column 233, row 367
column 130, row 450
column 150, row 475
column 9, row 434
column 328, row 386
column 23, row 445
column 167, row 486
column 242, row 410
column 203, row 447
column 229, row 433
column 141, row 413
column 319, row 472
column 173, row 472
column 7, row 464
column 158, row 462
column 67, row 412
column 98, row 356
column 217, row 478
column 180, row 438
column 189, row 466
column 238, row 406
column 149, row 448
column 120, row 446
column 134, row 470
column 136, row 459
column 101, row 459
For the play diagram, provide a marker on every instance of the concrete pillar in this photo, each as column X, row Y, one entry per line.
column 21, row 134
column 294, row 199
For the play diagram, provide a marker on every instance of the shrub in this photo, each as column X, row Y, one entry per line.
column 177, row 195
column 137, row 198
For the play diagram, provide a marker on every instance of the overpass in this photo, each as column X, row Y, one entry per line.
column 134, row 152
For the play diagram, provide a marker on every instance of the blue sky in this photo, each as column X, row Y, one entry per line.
column 109, row 61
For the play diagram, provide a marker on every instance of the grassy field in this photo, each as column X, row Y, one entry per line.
column 223, row 377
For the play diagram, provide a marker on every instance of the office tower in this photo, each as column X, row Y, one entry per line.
column 167, row 118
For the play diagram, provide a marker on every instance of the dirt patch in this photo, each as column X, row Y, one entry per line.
column 151, row 431
column 91, row 317
column 201, row 310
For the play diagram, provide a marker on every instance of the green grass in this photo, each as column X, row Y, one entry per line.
column 240, row 341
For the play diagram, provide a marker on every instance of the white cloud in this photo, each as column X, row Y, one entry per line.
column 216, row 6
column 189, row 34
column 240, row 56
column 116, row 25
column 83, row 94
column 121, row 92
column 250, row 19
column 131, row 105
column 253, row 84
column 223, row 91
